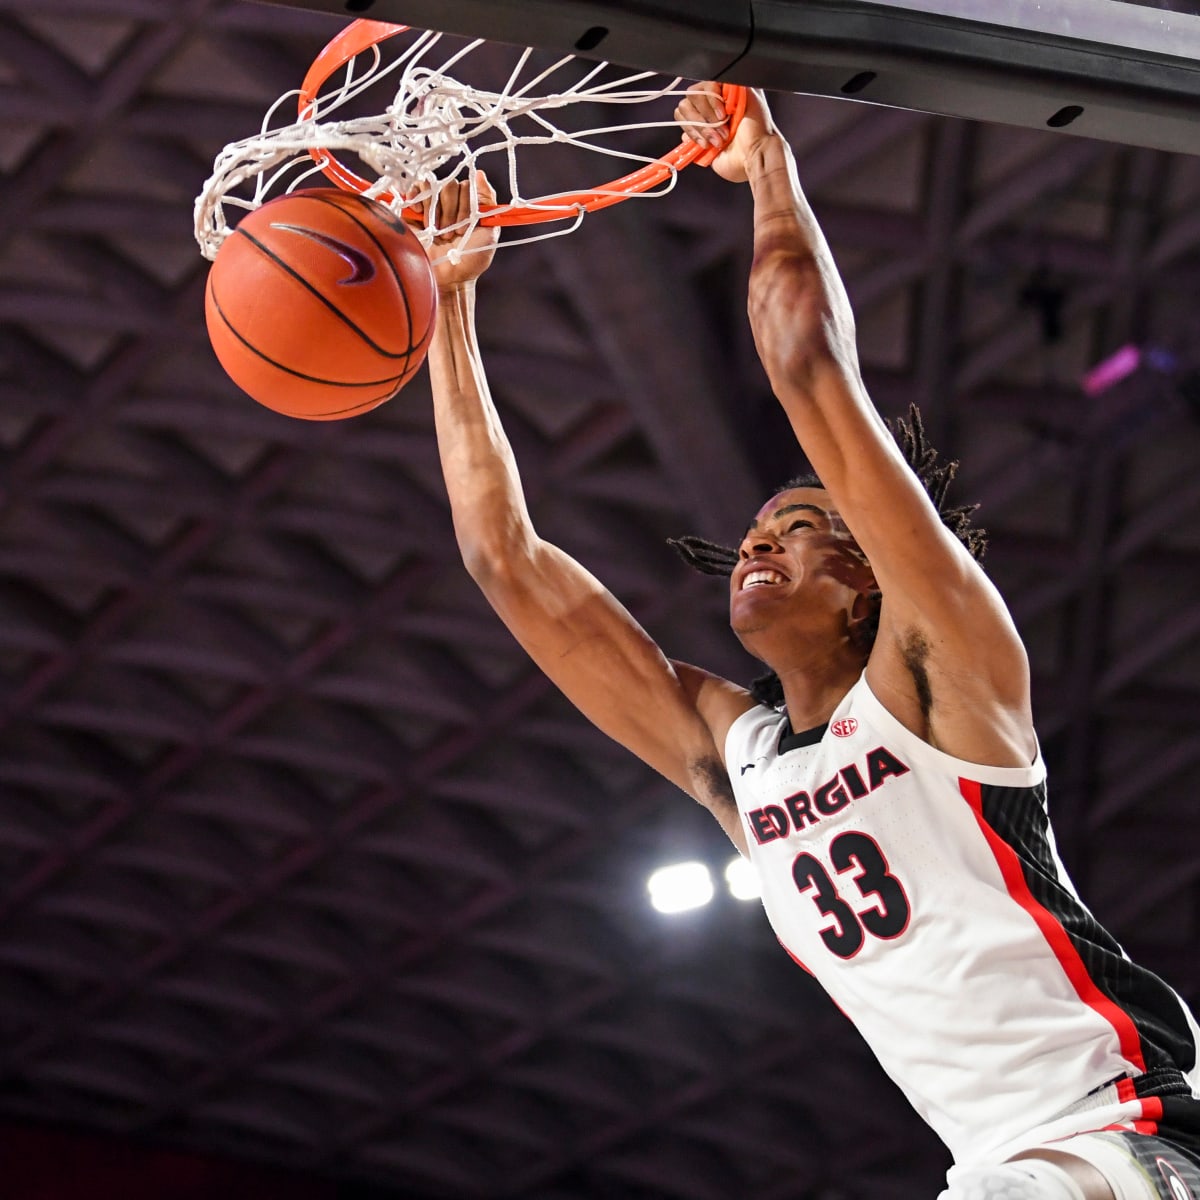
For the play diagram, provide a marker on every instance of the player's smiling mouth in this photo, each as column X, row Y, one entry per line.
column 762, row 577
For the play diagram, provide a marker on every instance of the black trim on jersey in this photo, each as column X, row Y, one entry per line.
column 1168, row 1158
column 806, row 737
column 1018, row 816
column 1180, row 1125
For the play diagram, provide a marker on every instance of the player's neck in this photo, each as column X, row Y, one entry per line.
column 813, row 690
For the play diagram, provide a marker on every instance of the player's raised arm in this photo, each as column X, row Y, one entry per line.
column 948, row 659
column 673, row 717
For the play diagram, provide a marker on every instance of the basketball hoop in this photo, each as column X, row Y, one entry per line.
column 436, row 129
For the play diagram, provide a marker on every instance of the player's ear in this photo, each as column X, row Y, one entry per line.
column 866, row 603
column 864, row 580
column 864, row 617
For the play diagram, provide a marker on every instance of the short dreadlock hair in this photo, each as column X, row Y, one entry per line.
column 935, row 476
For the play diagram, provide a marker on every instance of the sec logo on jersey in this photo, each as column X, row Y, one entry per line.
column 843, row 727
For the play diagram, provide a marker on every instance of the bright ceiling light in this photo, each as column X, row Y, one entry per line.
column 742, row 880
column 680, row 887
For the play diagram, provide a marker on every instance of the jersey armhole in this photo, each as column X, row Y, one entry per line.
column 882, row 719
column 742, row 731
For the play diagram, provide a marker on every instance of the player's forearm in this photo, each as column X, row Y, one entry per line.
column 482, row 480
column 798, row 307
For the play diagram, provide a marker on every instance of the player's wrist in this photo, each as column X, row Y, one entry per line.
column 765, row 155
column 456, row 287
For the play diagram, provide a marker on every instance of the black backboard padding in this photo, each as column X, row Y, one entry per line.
column 923, row 61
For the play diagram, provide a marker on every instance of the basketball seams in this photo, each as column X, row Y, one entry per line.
column 338, row 383
column 389, row 220
column 331, row 201
column 270, row 254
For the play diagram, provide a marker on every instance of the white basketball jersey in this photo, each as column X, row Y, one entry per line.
column 926, row 896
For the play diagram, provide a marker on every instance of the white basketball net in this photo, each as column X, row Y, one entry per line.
column 433, row 132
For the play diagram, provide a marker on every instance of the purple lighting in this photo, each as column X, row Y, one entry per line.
column 1122, row 363
column 1112, row 370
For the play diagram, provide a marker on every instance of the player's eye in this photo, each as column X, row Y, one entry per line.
column 800, row 524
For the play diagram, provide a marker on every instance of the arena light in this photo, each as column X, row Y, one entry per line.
column 680, row 887
column 742, row 880
column 1123, row 363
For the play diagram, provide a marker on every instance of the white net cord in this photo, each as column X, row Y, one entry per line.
column 433, row 132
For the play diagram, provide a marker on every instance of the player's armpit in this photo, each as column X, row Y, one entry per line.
column 719, row 703
column 716, row 794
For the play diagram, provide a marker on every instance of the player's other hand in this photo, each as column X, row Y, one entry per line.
column 702, row 114
column 476, row 247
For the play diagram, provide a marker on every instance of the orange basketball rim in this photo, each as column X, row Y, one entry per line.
column 361, row 35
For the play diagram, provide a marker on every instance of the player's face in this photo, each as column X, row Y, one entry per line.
column 796, row 547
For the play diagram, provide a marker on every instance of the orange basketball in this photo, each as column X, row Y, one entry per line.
column 321, row 304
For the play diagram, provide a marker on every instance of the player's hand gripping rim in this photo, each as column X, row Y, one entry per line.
column 702, row 115
column 465, row 248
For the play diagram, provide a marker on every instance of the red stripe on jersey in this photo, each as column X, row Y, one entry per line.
column 1151, row 1107
column 1055, row 935
column 1152, row 1110
column 794, row 958
column 1147, row 1127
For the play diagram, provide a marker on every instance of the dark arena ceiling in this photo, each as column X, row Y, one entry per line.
column 304, row 866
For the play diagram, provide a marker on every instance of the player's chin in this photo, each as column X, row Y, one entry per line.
column 749, row 609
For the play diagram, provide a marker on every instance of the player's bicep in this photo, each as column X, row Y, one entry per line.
column 600, row 657
column 926, row 575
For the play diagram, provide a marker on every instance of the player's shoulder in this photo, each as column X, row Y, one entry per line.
column 718, row 701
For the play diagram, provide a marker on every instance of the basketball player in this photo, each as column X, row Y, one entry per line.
column 893, row 801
